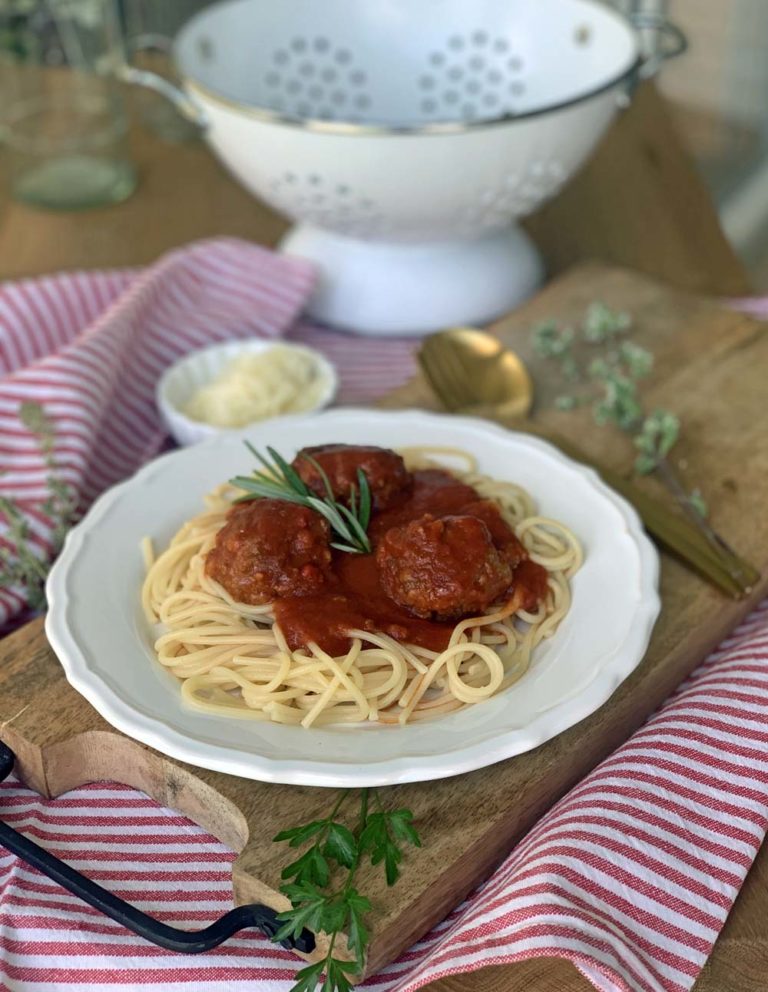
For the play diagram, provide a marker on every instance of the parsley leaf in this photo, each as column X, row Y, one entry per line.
column 320, row 883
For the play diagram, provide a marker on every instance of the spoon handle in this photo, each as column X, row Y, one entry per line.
column 743, row 571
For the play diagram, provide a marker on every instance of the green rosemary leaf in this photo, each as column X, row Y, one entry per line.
column 269, row 479
column 266, row 490
column 323, row 476
column 270, row 472
column 281, row 481
column 357, row 529
column 289, row 473
column 348, row 529
column 257, row 455
column 332, row 515
column 365, row 499
column 345, row 547
column 273, row 479
column 248, row 481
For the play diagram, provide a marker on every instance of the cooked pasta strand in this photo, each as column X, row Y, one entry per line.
column 233, row 659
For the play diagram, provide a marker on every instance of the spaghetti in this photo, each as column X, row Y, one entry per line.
column 232, row 658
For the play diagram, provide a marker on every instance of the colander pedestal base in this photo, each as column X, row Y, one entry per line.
column 380, row 288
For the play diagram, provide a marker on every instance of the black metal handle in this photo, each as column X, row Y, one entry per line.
column 185, row 941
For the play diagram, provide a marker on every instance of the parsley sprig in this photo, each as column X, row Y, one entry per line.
column 320, row 883
column 280, row 480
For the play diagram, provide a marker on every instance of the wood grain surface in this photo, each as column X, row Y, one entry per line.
column 710, row 369
column 638, row 202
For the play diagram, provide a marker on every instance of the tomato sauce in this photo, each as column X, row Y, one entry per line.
column 356, row 599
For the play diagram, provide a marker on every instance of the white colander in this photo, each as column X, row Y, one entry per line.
column 404, row 137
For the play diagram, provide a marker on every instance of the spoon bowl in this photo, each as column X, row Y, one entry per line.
column 469, row 368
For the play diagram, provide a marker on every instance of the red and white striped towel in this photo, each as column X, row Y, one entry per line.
column 630, row 876
column 91, row 346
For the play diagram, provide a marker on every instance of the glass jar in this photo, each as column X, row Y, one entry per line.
column 63, row 121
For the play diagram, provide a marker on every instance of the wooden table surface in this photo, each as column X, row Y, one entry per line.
column 639, row 203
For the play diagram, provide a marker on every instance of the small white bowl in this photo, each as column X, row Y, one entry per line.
column 181, row 381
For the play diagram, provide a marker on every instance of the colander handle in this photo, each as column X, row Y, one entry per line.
column 149, row 80
column 660, row 39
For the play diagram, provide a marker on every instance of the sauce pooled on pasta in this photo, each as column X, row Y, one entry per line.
column 440, row 552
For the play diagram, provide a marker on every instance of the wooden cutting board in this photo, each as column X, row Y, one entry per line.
column 711, row 369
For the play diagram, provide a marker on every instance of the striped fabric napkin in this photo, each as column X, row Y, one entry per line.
column 630, row 877
column 91, row 346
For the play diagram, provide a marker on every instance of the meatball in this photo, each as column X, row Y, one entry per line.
column 388, row 478
column 269, row 548
column 504, row 538
column 442, row 568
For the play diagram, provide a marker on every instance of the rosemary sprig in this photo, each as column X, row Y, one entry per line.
column 280, row 480
column 316, row 903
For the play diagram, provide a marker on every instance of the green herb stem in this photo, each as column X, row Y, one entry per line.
column 281, row 481
column 20, row 564
column 318, row 904
column 614, row 392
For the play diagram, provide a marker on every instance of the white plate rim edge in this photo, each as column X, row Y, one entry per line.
column 292, row 771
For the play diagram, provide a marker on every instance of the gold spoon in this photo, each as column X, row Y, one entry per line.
column 474, row 368
column 472, row 372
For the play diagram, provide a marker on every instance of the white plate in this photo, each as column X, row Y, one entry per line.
column 96, row 626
